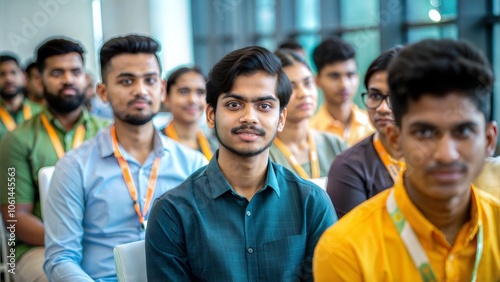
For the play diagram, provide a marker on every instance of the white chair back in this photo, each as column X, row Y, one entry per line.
column 130, row 261
column 44, row 177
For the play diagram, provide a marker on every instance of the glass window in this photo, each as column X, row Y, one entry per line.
column 496, row 7
column 437, row 31
column 427, row 10
column 359, row 13
column 266, row 20
column 307, row 14
column 367, row 46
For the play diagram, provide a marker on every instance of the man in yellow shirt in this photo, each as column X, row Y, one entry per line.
column 339, row 80
column 433, row 225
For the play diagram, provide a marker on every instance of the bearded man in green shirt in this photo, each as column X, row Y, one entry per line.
column 14, row 107
column 62, row 125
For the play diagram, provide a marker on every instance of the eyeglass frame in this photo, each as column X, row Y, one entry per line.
column 385, row 97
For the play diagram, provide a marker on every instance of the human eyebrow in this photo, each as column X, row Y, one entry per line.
column 128, row 74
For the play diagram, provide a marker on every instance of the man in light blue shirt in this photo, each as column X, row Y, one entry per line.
column 100, row 193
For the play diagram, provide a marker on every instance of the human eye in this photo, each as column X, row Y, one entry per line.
column 424, row 133
column 233, row 105
column 463, row 131
column 201, row 92
column 183, row 91
column 151, row 80
column 309, row 82
column 375, row 96
column 56, row 73
column 76, row 72
column 265, row 107
column 126, row 81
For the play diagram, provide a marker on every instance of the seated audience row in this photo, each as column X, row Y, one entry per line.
column 251, row 213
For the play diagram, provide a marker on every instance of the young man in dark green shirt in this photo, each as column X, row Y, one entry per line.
column 14, row 107
column 62, row 125
column 242, row 217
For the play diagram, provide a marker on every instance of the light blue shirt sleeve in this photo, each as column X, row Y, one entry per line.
column 63, row 224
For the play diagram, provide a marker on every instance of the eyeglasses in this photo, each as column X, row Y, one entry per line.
column 373, row 100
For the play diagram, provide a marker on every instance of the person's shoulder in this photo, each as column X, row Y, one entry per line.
column 99, row 122
column 328, row 138
column 35, row 107
column 179, row 150
column 186, row 191
column 291, row 180
column 24, row 133
column 358, row 153
column 488, row 201
column 365, row 218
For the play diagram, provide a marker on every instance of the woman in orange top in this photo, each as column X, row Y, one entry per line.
column 186, row 98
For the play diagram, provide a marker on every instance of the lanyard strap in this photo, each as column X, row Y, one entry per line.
column 202, row 139
column 313, row 157
column 414, row 247
column 7, row 119
column 390, row 164
column 77, row 139
column 127, row 176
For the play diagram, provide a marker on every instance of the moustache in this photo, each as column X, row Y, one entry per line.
column 446, row 167
column 140, row 99
column 248, row 129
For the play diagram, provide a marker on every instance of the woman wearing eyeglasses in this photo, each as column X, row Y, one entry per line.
column 370, row 166
column 302, row 150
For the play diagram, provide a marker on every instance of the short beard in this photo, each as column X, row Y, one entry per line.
column 63, row 105
column 243, row 154
column 8, row 96
column 136, row 120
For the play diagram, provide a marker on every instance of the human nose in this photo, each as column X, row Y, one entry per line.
column 249, row 115
column 446, row 150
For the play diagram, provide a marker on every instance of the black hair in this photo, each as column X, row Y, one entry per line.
column 438, row 67
column 331, row 51
column 56, row 47
column 29, row 67
column 130, row 44
column 289, row 57
column 246, row 61
column 8, row 58
column 290, row 44
column 381, row 63
column 172, row 78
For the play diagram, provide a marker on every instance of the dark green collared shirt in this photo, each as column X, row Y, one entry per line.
column 204, row 230
column 29, row 148
column 19, row 116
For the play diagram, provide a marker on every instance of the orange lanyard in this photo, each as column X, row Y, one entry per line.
column 7, row 119
column 313, row 157
column 391, row 165
column 127, row 176
column 77, row 139
column 202, row 139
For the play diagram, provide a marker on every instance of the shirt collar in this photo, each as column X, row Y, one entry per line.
column 220, row 186
column 160, row 144
column 51, row 118
column 425, row 228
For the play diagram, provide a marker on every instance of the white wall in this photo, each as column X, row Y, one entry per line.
column 25, row 24
column 168, row 21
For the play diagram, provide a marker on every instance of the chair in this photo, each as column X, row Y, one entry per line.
column 130, row 261
column 44, row 177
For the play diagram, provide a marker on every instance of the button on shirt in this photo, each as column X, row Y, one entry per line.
column 91, row 210
column 203, row 230
column 29, row 148
column 366, row 246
